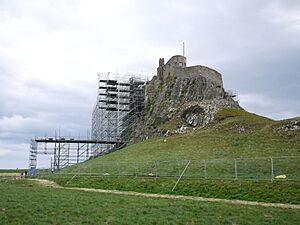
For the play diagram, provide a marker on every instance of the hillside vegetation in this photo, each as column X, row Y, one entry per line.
column 235, row 134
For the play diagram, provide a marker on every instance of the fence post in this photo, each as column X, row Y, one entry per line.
column 135, row 170
column 205, row 169
column 272, row 169
column 235, row 169
column 155, row 167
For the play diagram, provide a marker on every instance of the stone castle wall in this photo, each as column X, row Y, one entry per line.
column 176, row 67
column 200, row 82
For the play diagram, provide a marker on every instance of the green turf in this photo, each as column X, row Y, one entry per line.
column 263, row 191
column 23, row 202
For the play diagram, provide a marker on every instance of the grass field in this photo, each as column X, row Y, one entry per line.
column 238, row 139
column 12, row 170
column 24, row 202
column 263, row 191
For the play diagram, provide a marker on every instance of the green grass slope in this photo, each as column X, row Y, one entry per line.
column 235, row 134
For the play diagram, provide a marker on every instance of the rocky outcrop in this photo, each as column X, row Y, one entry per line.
column 293, row 124
column 181, row 97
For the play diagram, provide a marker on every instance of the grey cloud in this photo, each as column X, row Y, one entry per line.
column 254, row 44
column 34, row 108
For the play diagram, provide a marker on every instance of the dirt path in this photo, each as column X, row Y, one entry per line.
column 47, row 183
column 9, row 174
column 52, row 184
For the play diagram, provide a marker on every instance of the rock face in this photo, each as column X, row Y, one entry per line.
column 183, row 96
column 293, row 124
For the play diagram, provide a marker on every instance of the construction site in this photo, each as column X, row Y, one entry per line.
column 120, row 101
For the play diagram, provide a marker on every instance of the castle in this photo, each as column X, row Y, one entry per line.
column 186, row 95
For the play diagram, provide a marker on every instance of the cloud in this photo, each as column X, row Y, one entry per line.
column 14, row 155
column 51, row 51
column 269, row 107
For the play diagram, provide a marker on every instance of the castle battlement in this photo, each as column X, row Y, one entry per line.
column 177, row 67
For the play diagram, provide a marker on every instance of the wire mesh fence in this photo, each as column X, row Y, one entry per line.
column 266, row 168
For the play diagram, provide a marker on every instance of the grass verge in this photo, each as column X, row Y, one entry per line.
column 263, row 191
column 24, row 202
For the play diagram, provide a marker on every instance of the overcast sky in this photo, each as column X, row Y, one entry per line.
column 51, row 51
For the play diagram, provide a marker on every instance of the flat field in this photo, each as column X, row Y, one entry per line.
column 25, row 202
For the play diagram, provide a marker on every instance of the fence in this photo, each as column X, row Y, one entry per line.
column 266, row 168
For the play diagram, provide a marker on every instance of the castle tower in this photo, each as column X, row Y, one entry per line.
column 160, row 69
column 177, row 62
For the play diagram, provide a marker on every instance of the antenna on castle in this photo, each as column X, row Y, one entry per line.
column 183, row 49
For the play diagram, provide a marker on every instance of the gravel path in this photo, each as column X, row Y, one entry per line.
column 52, row 184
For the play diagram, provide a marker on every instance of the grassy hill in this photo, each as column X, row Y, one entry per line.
column 236, row 134
column 239, row 155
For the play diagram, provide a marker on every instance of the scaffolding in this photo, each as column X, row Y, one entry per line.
column 120, row 102
column 64, row 151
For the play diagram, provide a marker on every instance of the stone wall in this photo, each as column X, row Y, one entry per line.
column 176, row 62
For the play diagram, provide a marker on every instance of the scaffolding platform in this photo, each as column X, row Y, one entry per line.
column 120, row 102
column 71, row 140
column 64, row 151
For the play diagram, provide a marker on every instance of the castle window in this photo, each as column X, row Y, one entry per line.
column 180, row 64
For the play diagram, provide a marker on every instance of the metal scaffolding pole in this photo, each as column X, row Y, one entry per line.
column 120, row 101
